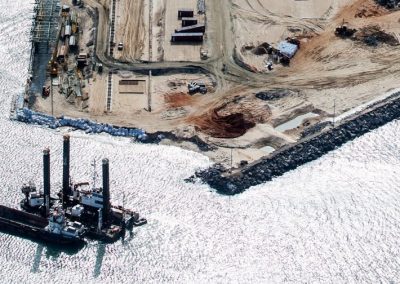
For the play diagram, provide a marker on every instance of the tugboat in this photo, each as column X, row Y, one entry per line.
column 90, row 207
column 53, row 229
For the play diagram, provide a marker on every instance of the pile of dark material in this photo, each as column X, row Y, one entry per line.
column 289, row 158
column 274, row 94
column 264, row 48
column 370, row 35
column 390, row 4
column 373, row 35
column 344, row 31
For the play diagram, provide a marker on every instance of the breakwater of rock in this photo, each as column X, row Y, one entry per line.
column 306, row 150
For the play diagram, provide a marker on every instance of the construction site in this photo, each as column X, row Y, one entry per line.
column 245, row 77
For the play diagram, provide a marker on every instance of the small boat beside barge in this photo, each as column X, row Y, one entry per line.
column 54, row 229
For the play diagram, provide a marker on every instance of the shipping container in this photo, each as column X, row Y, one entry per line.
column 188, row 21
column 67, row 30
column 200, row 28
column 187, row 37
column 185, row 13
column 72, row 41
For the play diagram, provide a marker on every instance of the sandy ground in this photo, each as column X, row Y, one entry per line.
column 325, row 70
column 272, row 21
column 132, row 29
column 158, row 30
column 170, row 102
column 184, row 51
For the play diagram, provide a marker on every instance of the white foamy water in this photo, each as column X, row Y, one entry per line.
column 335, row 220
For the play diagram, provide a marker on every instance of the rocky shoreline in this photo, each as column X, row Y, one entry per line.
column 306, row 150
column 315, row 142
column 91, row 127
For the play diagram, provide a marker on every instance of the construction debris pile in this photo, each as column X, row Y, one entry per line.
column 75, row 63
column 344, row 32
column 264, row 48
column 274, row 94
column 370, row 35
column 390, row 4
column 373, row 35
column 283, row 54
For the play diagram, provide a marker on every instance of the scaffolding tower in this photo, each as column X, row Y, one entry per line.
column 44, row 37
column 45, row 21
column 44, row 32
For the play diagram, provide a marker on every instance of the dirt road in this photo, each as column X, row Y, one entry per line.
column 133, row 29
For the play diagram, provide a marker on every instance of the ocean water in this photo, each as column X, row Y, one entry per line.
column 334, row 220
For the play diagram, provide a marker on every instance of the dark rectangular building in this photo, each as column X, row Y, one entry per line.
column 188, row 21
column 187, row 37
column 200, row 28
column 185, row 13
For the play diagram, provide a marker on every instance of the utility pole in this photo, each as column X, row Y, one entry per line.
column 149, row 93
column 51, row 96
column 231, row 158
column 334, row 112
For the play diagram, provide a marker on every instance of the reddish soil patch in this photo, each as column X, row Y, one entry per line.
column 178, row 99
column 219, row 126
column 233, row 118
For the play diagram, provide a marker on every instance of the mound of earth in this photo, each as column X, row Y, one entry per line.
column 233, row 118
column 219, row 126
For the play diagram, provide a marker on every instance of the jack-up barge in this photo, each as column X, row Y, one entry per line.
column 77, row 211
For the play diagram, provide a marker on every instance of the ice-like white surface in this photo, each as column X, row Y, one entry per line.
column 335, row 220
